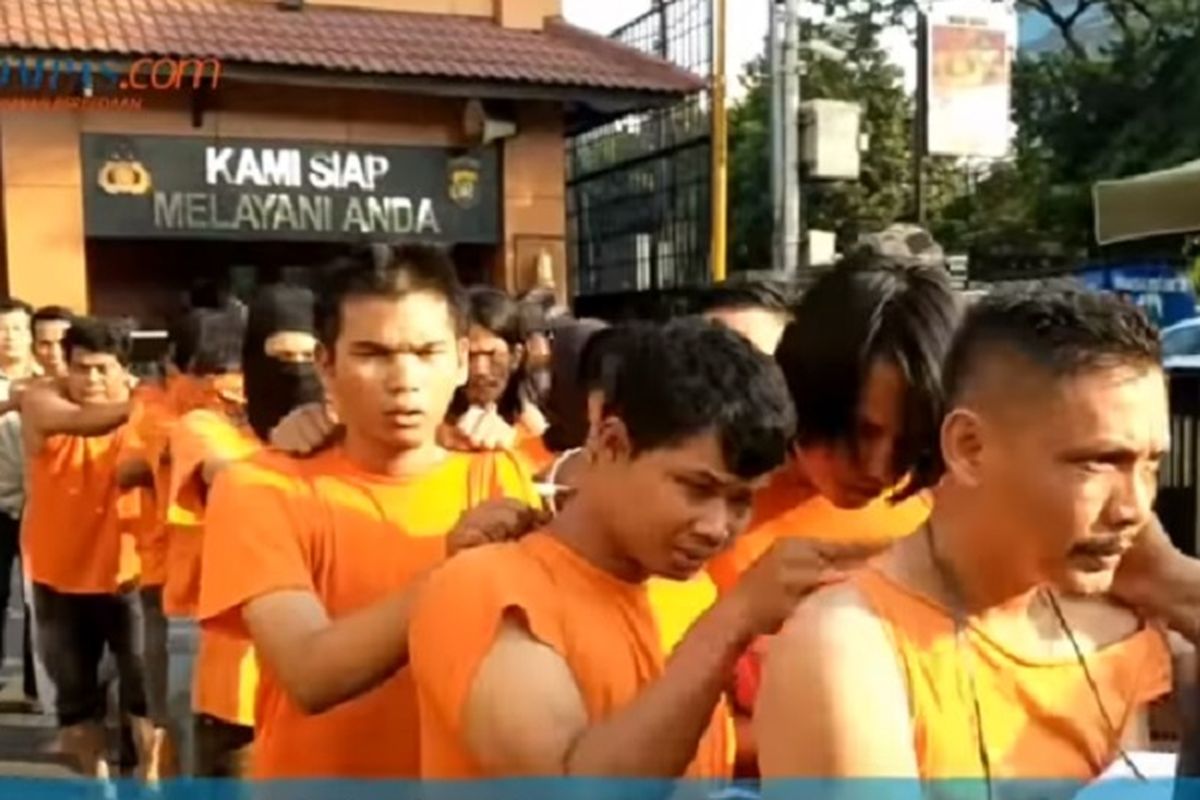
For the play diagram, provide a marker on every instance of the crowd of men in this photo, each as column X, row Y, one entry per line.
column 421, row 532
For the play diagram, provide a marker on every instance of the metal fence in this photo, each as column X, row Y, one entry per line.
column 638, row 215
column 1179, row 479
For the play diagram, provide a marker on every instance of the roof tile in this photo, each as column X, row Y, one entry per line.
column 340, row 39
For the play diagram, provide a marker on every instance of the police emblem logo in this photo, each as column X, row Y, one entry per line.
column 122, row 174
column 464, row 182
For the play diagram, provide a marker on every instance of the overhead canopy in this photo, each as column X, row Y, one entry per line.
column 1155, row 204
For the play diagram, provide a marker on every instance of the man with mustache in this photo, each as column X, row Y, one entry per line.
column 76, row 435
column 962, row 646
column 494, row 409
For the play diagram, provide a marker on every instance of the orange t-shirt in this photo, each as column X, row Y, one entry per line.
column 602, row 627
column 784, row 509
column 225, row 676
column 324, row 525
column 1040, row 719
column 71, row 532
column 161, row 410
column 198, row 436
column 151, row 423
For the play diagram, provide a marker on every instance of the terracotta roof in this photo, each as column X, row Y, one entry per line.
column 340, row 40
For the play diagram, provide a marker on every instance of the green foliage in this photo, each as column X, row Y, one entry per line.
column 1122, row 105
column 883, row 195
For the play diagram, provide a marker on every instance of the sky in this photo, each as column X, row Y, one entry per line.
column 746, row 34
column 747, row 30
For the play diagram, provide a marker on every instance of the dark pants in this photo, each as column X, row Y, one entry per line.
column 155, row 641
column 222, row 748
column 74, row 630
column 10, row 556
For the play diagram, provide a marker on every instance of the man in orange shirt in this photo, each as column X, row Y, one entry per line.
column 960, row 646
column 496, row 409
column 277, row 361
column 862, row 364
column 318, row 561
column 543, row 657
column 76, row 437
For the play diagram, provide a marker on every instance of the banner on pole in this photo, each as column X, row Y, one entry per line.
column 969, row 78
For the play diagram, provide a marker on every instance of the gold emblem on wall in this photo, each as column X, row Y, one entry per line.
column 464, row 182
column 124, row 175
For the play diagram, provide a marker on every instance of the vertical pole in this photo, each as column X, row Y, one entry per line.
column 720, row 146
column 791, row 137
column 920, row 119
column 775, row 82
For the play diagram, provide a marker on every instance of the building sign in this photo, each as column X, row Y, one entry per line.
column 969, row 78
column 193, row 188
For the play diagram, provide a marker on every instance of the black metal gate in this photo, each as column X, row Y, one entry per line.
column 1179, row 480
column 638, row 215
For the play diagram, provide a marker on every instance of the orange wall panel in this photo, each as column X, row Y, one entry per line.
column 43, row 208
column 529, row 14
column 534, row 195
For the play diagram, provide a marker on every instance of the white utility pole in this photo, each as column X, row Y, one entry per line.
column 785, row 135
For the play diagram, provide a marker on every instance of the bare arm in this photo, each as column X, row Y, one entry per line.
column 526, row 716
column 829, row 671
column 322, row 662
column 1160, row 581
column 49, row 413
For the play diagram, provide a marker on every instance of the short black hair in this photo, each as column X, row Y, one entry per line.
column 853, row 316
column 1059, row 328
column 97, row 335
column 216, row 337
column 768, row 295
column 11, row 304
column 53, row 314
column 691, row 376
column 388, row 271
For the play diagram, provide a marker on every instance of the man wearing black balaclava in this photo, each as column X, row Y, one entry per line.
column 279, row 374
column 278, row 355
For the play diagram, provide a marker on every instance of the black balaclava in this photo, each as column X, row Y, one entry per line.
column 274, row 387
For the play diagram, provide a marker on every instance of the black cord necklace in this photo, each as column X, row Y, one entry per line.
column 958, row 611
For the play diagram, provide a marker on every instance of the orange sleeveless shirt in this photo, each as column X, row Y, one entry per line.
column 603, row 628
column 1040, row 718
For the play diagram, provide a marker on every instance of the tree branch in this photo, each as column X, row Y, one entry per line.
column 1065, row 24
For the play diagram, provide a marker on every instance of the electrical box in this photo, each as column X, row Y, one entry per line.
column 821, row 248
column 831, row 139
